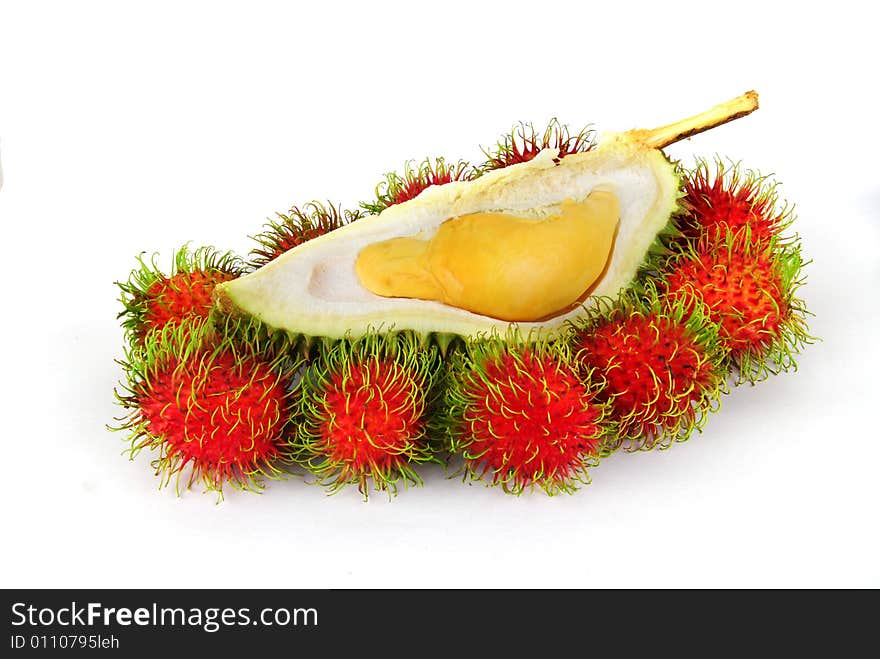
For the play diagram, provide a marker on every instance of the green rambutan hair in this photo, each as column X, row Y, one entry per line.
column 213, row 401
column 297, row 226
column 520, row 416
column 524, row 142
column 364, row 410
column 399, row 187
column 152, row 299
column 662, row 364
column 749, row 288
column 722, row 195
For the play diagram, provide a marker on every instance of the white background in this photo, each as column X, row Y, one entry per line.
column 132, row 127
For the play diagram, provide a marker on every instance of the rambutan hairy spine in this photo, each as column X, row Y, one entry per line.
column 524, row 142
column 748, row 287
column 400, row 187
column 298, row 226
column 661, row 361
column 364, row 410
column 520, row 416
column 216, row 408
column 731, row 198
column 152, row 300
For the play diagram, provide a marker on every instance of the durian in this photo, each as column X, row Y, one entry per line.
column 471, row 257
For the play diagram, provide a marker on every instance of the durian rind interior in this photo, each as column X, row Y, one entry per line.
column 314, row 289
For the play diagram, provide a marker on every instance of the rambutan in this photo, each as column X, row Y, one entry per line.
column 731, row 199
column 397, row 188
column 520, row 416
column 216, row 408
column 748, row 288
column 153, row 300
column 661, row 362
column 364, row 411
column 297, row 226
column 524, row 143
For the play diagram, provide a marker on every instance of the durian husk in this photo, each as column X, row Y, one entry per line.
column 294, row 294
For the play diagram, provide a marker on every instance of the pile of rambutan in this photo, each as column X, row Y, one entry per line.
column 223, row 402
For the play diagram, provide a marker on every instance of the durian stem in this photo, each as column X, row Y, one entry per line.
column 720, row 114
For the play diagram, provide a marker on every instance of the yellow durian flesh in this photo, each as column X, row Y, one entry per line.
column 504, row 266
column 314, row 290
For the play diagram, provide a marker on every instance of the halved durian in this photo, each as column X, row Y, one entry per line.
column 447, row 261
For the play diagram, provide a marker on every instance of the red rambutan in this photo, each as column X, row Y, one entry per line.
column 524, row 143
column 748, row 290
column 730, row 200
column 521, row 417
column 398, row 188
column 298, row 226
column 216, row 408
column 662, row 366
column 364, row 411
column 153, row 300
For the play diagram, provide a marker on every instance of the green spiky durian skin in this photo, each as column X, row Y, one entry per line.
column 134, row 293
column 661, row 248
column 308, row 345
column 176, row 344
column 468, row 363
column 644, row 302
column 415, row 372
